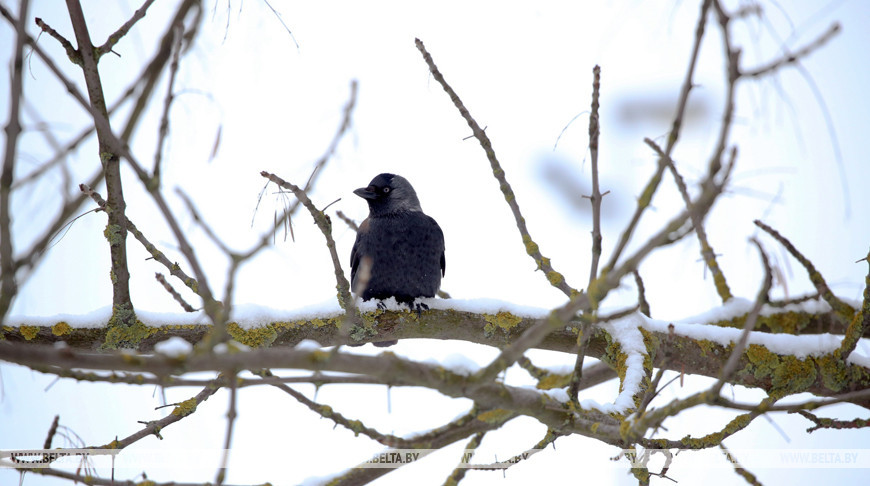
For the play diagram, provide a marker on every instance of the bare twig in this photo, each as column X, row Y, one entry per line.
column 280, row 19
column 458, row 473
column 751, row 318
column 333, row 145
column 123, row 30
column 697, row 218
column 859, row 324
column 355, row 426
column 555, row 278
column 548, row 439
column 8, row 285
column 167, row 381
column 732, row 57
column 163, row 131
column 351, row 223
column 828, row 423
column 843, row 310
column 147, row 78
column 582, row 345
column 51, row 431
column 175, row 295
column 649, row 191
column 792, row 57
column 181, row 411
column 345, row 299
column 641, row 295
column 98, row 481
column 231, row 420
column 595, row 198
column 71, row 52
column 740, row 470
column 174, row 269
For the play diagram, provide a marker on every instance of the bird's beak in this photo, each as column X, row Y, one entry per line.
column 365, row 193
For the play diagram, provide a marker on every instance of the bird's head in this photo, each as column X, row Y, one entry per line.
column 389, row 193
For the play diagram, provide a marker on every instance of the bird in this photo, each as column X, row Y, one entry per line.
column 399, row 250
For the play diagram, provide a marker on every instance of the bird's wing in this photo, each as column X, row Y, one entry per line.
column 354, row 252
column 441, row 237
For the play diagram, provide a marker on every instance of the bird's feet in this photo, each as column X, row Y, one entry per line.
column 419, row 307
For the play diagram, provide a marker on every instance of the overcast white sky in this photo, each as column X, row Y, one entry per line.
column 524, row 71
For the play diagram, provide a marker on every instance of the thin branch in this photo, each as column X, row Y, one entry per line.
column 732, row 56
column 51, row 431
column 333, row 145
column 231, row 420
column 595, row 199
column 649, row 191
column 8, row 285
column 123, row 30
column 644, row 201
column 859, row 324
column 828, row 423
column 345, row 299
column 740, row 470
column 751, row 318
column 174, row 269
column 555, row 278
column 154, row 427
column 843, row 310
column 280, row 19
column 697, row 218
column 71, row 52
column 859, row 397
column 98, row 481
column 342, row 129
column 583, row 335
column 199, row 220
column 354, row 426
column 793, row 57
column 676, row 229
column 641, row 295
column 175, row 295
column 688, row 81
column 458, row 473
column 163, row 131
column 548, row 439
column 167, row 381
column 147, row 78
column 351, row 223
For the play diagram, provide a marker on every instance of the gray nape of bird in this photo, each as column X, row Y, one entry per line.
column 399, row 250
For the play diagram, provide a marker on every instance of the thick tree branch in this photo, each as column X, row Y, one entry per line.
column 116, row 230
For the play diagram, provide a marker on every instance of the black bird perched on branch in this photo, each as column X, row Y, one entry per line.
column 399, row 251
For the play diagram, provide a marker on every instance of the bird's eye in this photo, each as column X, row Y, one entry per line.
column 386, row 190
